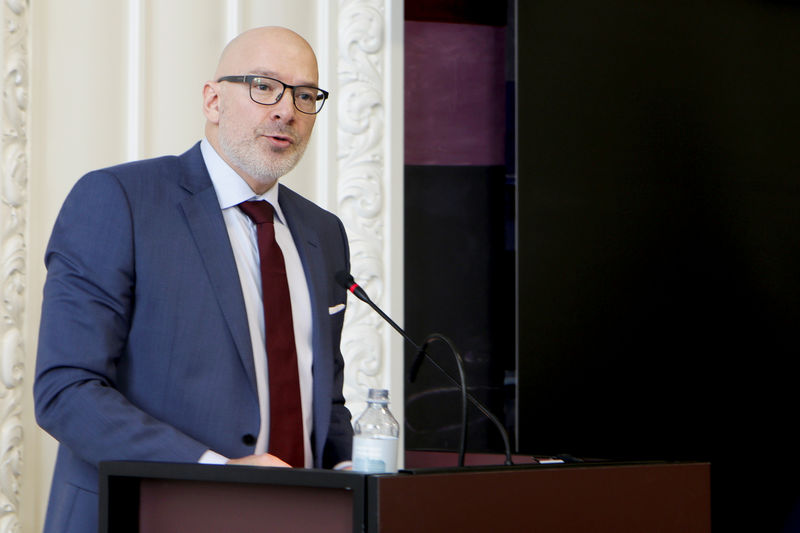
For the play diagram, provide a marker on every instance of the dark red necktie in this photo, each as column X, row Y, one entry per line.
column 285, row 411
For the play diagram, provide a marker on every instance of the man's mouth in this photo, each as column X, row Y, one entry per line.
column 280, row 141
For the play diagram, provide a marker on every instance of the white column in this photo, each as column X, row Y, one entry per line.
column 369, row 189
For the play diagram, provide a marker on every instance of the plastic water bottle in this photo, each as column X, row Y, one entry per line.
column 375, row 436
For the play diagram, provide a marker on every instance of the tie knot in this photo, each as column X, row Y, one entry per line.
column 258, row 211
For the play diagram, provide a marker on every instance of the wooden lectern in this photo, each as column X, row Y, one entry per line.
column 584, row 497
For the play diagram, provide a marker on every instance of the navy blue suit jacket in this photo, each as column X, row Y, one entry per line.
column 144, row 349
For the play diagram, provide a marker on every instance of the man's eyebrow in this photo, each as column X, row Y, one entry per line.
column 267, row 73
column 270, row 74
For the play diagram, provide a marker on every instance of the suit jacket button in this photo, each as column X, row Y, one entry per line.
column 249, row 440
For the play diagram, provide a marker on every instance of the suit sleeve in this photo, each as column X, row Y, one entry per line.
column 86, row 314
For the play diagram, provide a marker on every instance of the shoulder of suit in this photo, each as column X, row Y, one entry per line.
column 301, row 203
column 143, row 166
column 160, row 170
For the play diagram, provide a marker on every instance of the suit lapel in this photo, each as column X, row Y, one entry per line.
column 308, row 247
column 204, row 218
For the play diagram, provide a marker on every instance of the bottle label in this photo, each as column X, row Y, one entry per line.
column 374, row 455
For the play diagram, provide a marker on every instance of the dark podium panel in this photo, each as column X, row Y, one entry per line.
column 588, row 497
column 182, row 497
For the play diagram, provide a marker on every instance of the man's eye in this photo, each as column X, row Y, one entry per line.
column 264, row 85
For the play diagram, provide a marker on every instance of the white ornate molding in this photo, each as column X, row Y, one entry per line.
column 361, row 185
column 13, row 215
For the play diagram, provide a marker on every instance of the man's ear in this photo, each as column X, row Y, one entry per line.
column 211, row 101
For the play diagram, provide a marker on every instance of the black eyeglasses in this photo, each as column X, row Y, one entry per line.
column 269, row 91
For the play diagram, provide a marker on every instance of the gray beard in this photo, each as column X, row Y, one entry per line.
column 251, row 160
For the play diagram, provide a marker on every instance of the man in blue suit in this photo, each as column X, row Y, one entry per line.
column 152, row 340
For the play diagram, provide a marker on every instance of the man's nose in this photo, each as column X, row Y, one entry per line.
column 284, row 108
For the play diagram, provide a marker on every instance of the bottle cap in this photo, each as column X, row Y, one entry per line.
column 380, row 395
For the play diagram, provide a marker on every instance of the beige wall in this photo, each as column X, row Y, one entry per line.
column 115, row 80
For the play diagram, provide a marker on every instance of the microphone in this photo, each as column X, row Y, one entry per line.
column 345, row 280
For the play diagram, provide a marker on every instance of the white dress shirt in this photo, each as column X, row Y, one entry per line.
column 232, row 190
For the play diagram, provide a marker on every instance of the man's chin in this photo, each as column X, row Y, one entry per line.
column 264, row 167
column 268, row 176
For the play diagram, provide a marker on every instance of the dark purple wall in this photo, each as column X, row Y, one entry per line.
column 455, row 107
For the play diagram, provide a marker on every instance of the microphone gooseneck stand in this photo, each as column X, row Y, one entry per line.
column 488, row 414
column 345, row 280
column 412, row 376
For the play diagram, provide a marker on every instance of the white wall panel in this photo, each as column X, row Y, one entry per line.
column 182, row 40
column 298, row 15
column 78, row 92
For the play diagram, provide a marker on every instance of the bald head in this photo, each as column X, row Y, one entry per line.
column 266, row 44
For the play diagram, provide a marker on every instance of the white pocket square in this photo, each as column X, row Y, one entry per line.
column 335, row 309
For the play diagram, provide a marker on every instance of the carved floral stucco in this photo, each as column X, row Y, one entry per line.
column 361, row 184
column 13, row 213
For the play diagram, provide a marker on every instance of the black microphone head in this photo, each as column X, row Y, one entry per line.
column 344, row 279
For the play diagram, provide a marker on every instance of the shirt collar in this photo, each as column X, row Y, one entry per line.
column 231, row 189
